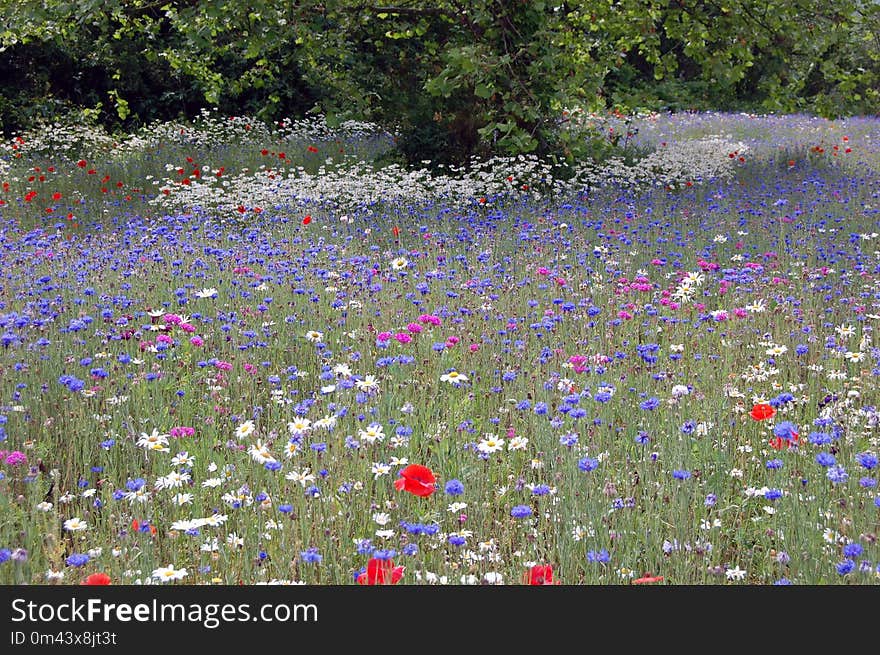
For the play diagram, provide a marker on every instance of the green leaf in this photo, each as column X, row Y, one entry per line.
column 483, row 91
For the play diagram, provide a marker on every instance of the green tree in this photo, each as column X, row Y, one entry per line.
column 452, row 78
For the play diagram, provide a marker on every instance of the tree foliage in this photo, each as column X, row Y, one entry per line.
column 452, row 78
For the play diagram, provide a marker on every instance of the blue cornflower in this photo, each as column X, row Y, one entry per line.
column 837, row 474
column 385, row 554
column 785, row 430
column 868, row 460
column 642, row 438
column 774, row 464
column 819, row 438
column 285, row 509
column 521, row 511
column 851, row 551
column 681, row 474
column 456, row 540
column 782, row 582
column 826, row 459
column 410, row 550
column 772, row 494
column 311, row 556
column 588, row 464
column 710, row 501
column 412, row 528
column 5, row 555
column 540, row 490
column 650, row 404
column 136, row 484
column 846, row 567
column 454, row 487
column 568, row 440
column 601, row 556
column 77, row 559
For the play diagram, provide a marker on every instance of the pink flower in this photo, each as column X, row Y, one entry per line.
column 181, row 431
column 415, row 328
column 197, row 341
column 452, row 340
column 172, row 319
column 16, row 458
column 402, row 337
column 383, row 336
column 223, row 366
column 164, row 338
column 187, row 327
column 543, row 271
column 474, row 347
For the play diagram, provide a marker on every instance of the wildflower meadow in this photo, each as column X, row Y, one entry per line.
column 238, row 352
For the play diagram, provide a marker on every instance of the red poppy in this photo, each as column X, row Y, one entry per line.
column 648, row 579
column 307, row 220
column 762, row 411
column 97, row 579
column 381, row 571
column 416, row 479
column 540, row 574
column 395, row 231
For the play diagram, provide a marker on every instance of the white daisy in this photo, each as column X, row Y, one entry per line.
column 75, row 524
column 246, row 429
column 169, row 573
column 490, row 444
column 453, row 377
